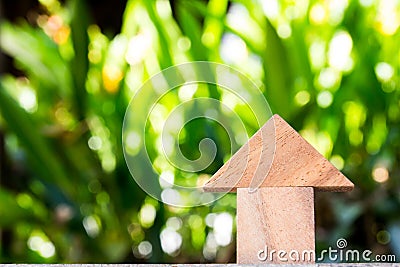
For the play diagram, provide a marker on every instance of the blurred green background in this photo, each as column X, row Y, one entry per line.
column 69, row 68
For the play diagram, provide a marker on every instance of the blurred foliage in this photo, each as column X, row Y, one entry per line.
column 331, row 68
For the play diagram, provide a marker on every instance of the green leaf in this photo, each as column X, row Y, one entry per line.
column 38, row 56
column 10, row 210
column 192, row 29
column 19, row 207
column 165, row 56
column 278, row 80
column 80, row 63
column 44, row 159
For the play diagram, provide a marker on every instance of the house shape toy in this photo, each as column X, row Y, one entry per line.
column 275, row 174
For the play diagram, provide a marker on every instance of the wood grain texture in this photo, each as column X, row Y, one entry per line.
column 277, row 156
column 276, row 218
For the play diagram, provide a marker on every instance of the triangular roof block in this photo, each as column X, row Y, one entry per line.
column 277, row 156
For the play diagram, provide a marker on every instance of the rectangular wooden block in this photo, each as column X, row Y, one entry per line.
column 275, row 225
